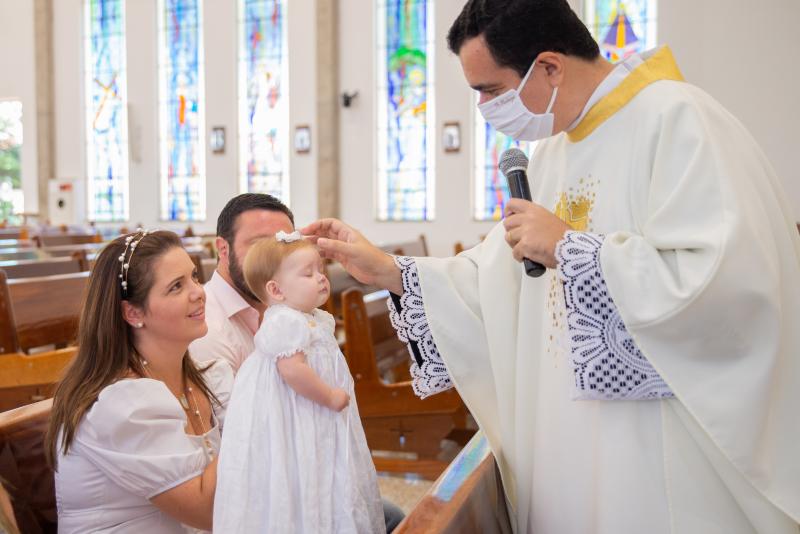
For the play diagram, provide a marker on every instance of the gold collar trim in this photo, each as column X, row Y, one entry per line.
column 660, row 66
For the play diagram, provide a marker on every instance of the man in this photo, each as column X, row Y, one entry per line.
column 649, row 382
column 233, row 312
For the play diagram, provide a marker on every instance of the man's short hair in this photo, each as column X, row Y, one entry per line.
column 517, row 31
column 226, row 222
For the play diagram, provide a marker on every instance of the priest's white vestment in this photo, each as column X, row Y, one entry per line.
column 702, row 260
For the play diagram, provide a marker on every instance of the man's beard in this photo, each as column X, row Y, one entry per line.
column 237, row 276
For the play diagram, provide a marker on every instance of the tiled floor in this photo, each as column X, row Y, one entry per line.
column 404, row 492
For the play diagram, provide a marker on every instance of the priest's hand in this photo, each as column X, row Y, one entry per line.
column 533, row 232
column 367, row 263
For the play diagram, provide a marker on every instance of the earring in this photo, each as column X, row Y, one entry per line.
column 138, row 325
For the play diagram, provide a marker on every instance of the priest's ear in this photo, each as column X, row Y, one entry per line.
column 553, row 64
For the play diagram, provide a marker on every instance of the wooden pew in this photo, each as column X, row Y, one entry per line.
column 25, row 379
column 394, row 418
column 467, row 497
column 40, row 311
column 417, row 247
column 68, row 250
column 17, row 254
column 32, row 268
column 16, row 243
column 23, row 466
column 54, row 240
column 16, row 232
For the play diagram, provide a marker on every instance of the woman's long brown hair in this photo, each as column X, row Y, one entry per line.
column 105, row 340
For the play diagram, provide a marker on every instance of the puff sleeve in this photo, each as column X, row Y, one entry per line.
column 135, row 434
column 283, row 332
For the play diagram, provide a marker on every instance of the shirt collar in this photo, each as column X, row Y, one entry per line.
column 229, row 299
column 609, row 83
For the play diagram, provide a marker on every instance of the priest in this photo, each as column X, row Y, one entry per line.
column 650, row 380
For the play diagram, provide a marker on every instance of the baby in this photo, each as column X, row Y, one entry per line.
column 293, row 456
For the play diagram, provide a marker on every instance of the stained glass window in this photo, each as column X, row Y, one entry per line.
column 183, row 195
column 11, row 196
column 405, row 111
column 106, row 110
column 263, row 98
column 491, row 189
column 621, row 27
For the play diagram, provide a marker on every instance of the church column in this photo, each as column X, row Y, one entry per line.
column 45, row 116
column 328, row 108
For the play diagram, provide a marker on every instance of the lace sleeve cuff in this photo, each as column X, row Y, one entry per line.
column 407, row 313
column 606, row 362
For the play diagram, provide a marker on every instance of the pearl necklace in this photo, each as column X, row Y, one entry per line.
column 184, row 402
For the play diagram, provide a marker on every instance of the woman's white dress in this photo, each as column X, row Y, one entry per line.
column 129, row 447
column 287, row 463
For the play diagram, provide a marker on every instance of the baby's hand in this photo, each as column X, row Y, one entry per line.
column 339, row 399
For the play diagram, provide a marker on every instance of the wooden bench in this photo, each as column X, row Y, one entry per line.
column 36, row 312
column 25, row 379
column 54, row 240
column 17, row 254
column 467, row 497
column 46, row 267
column 394, row 418
column 29, row 479
column 57, row 251
column 16, row 243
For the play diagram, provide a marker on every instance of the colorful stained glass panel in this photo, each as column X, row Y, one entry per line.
column 106, row 110
column 621, row 28
column 181, row 111
column 491, row 189
column 263, row 98
column 405, row 90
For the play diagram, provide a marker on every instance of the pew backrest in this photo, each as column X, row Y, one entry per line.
column 54, row 240
column 467, row 497
column 25, row 378
column 44, row 310
column 22, row 464
column 46, row 267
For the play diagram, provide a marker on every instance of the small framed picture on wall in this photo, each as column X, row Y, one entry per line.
column 451, row 136
column 302, row 139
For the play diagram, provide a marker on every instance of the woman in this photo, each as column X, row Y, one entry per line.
column 135, row 427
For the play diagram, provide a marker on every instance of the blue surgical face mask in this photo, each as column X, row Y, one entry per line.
column 508, row 115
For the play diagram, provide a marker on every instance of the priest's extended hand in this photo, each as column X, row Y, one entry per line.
column 367, row 263
column 532, row 232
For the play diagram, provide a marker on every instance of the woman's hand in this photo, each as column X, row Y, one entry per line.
column 533, row 232
column 367, row 263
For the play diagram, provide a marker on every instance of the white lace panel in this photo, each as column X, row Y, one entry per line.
column 605, row 359
column 428, row 372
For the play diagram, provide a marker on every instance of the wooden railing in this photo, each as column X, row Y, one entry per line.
column 467, row 497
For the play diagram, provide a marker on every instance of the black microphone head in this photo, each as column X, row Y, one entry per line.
column 513, row 159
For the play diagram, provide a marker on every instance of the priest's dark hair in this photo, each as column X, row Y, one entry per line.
column 517, row 31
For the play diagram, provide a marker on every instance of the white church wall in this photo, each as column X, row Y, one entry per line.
column 745, row 55
column 220, row 26
column 18, row 82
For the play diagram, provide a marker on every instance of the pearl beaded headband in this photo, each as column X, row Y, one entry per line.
column 130, row 244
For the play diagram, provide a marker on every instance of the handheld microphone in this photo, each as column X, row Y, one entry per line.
column 514, row 166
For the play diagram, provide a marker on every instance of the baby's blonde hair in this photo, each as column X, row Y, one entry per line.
column 264, row 259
